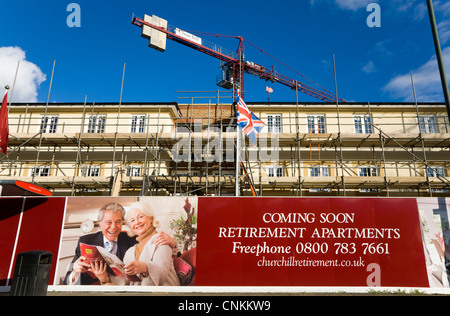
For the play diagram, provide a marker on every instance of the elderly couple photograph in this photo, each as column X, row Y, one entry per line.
column 147, row 253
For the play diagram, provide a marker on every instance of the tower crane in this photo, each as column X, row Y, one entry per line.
column 233, row 65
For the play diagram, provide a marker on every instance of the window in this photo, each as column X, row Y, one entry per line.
column 316, row 124
column 319, row 171
column 274, row 171
column 134, row 171
column 274, row 123
column 90, row 171
column 427, row 124
column 97, row 124
column 368, row 171
column 363, row 124
column 137, row 123
column 435, row 171
column 43, row 171
column 49, row 124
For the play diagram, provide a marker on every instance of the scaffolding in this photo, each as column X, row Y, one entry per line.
column 306, row 149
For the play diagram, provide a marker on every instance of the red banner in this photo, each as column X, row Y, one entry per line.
column 227, row 241
column 310, row 242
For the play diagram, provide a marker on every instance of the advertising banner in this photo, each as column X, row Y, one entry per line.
column 434, row 214
column 88, row 224
column 228, row 241
column 310, row 242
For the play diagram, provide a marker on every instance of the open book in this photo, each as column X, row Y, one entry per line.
column 115, row 265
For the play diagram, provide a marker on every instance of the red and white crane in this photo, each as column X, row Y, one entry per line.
column 233, row 65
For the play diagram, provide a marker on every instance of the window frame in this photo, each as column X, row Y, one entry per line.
column 365, row 124
column 274, row 123
column 49, row 124
column 428, row 127
column 137, row 123
column 319, row 124
column 96, row 126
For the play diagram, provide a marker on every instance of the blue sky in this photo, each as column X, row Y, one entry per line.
column 373, row 64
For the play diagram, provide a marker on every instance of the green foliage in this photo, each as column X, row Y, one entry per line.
column 185, row 228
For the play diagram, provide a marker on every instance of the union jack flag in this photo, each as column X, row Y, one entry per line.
column 247, row 121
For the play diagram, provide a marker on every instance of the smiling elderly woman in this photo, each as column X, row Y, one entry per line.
column 152, row 263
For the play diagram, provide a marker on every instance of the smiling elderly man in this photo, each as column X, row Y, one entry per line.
column 111, row 237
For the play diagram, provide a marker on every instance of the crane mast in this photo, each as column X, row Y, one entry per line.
column 233, row 65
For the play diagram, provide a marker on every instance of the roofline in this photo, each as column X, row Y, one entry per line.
column 345, row 103
column 92, row 103
column 247, row 102
column 100, row 104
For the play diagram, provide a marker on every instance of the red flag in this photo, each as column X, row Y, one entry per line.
column 4, row 128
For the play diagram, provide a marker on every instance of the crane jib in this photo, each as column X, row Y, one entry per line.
column 237, row 63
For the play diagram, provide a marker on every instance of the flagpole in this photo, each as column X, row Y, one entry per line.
column 238, row 146
column 14, row 85
column 251, row 125
column 117, row 127
column 44, row 120
column 238, row 133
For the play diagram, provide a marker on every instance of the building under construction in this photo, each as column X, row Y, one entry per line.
column 325, row 148
column 305, row 149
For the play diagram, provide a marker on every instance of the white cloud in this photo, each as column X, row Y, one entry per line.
column 353, row 4
column 418, row 7
column 29, row 76
column 420, row 11
column 427, row 82
column 369, row 67
column 444, row 31
column 442, row 7
column 403, row 5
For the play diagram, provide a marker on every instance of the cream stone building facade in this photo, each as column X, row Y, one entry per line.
column 305, row 149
